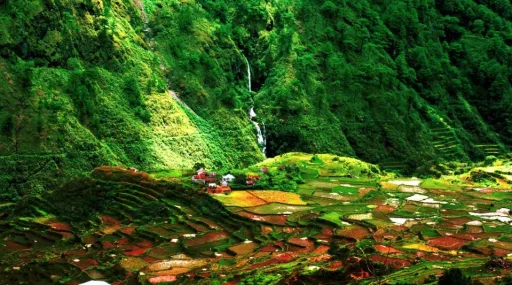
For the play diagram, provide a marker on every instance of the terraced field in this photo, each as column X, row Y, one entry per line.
column 393, row 164
column 489, row 149
column 127, row 228
column 446, row 142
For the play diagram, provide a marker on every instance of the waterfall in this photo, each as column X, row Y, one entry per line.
column 262, row 140
column 248, row 73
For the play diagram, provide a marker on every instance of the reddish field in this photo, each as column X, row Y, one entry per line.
column 271, row 219
column 447, row 242
column 209, row 237
column 61, row 227
column 385, row 209
column 127, row 230
column 386, row 249
column 396, row 263
column 353, row 232
column 458, row 221
column 161, row 279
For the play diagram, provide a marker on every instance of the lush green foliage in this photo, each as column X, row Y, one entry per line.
column 86, row 83
column 407, row 80
column 81, row 88
column 454, row 276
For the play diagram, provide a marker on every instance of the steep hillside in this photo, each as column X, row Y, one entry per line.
column 81, row 87
column 159, row 84
column 396, row 83
column 406, row 81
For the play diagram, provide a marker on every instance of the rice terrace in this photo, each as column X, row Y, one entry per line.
column 336, row 219
column 255, row 142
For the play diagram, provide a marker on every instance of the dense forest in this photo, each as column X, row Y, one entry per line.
column 161, row 84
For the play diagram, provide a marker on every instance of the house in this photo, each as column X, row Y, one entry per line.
column 204, row 177
column 228, row 178
column 199, row 176
column 252, row 176
column 224, row 183
column 250, row 182
column 264, row 169
column 223, row 189
column 216, row 189
column 198, row 179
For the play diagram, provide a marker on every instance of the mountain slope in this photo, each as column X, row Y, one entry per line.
column 408, row 81
column 81, row 88
column 160, row 84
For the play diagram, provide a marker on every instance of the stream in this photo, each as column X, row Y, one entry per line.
column 261, row 138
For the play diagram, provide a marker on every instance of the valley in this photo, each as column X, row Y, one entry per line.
column 255, row 142
column 327, row 218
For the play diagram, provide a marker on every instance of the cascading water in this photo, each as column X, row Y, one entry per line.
column 262, row 140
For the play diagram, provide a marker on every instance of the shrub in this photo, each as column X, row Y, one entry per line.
column 507, row 280
column 315, row 159
column 454, row 276
column 489, row 160
column 132, row 91
column 7, row 125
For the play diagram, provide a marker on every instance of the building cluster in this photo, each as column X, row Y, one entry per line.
column 210, row 179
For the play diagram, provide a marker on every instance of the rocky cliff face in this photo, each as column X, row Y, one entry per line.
column 90, row 82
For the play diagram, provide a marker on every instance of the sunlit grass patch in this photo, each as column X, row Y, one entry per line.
column 258, row 198
column 309, row 173
column 171, row 173
column 344, row 190
column 440, row 184
column 305, row 189
column 333, row 217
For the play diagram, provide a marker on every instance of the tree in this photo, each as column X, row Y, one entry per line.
column 454, row 276
column 7, row 125
column 199, row 165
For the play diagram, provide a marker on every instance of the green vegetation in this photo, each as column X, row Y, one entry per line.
column 81, row 87
column 129, row 224
column 350, row 95
column 454, row 276
column 411, row 80
column 159, row 84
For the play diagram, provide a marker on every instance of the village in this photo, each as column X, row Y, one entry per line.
column 211, row 183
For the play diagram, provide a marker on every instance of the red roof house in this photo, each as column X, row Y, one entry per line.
column 218, row 189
